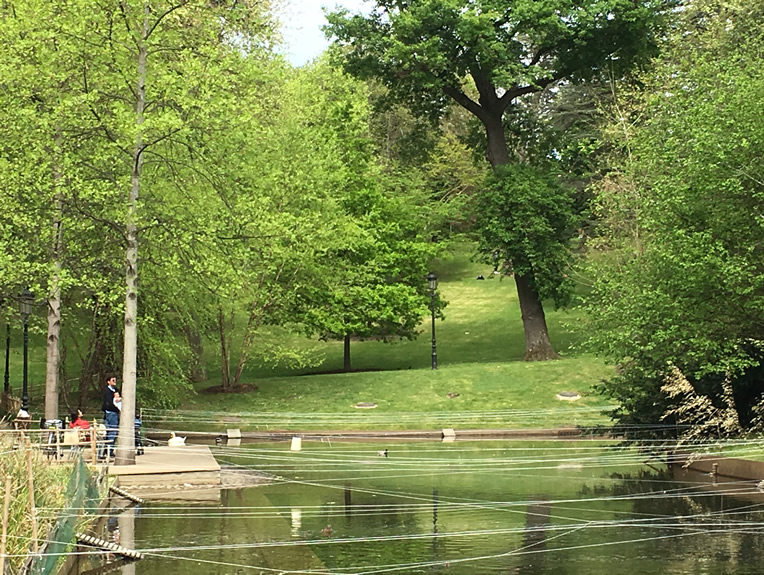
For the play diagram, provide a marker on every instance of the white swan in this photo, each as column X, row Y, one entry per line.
column 176, row 441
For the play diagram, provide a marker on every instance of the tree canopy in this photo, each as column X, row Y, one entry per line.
column 684, row 287
column 485, row 55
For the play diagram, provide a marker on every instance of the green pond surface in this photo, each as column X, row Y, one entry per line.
column 564, row 507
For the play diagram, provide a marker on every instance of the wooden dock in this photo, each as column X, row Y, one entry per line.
column 172, row 473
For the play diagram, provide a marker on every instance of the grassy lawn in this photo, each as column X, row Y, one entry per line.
column 480, row 345
column 490, row 395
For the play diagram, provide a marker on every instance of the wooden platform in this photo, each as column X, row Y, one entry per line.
column 188, row 466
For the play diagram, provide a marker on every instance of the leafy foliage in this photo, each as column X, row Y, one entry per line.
column 72, row 132
column 486, row 55
column 423, row 50
column 697, row 412
column 687, row 287
column 527, row 215
column 369, row 281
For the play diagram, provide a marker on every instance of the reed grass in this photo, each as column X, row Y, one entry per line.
column 49, row 482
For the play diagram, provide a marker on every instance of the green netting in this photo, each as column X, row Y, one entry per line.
column 82, row 497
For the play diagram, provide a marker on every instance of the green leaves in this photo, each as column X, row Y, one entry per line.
column 689, row 291
column 527, row 215
column 368, row 281
column 69, row 127
column 419, row 49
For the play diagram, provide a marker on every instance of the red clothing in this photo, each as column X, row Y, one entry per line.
column 79, row 423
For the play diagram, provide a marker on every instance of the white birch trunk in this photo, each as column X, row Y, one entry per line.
column 125, row 452
column 53, row 360
column 52, row 367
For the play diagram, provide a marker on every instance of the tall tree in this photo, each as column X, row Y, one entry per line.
column 107, row 154
column 371, row 283
column 682, row 287
column 425, row 52
column 156, row 78
column 41, row 108
column 374, row 284
column 271, row 208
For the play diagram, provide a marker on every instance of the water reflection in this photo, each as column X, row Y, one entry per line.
column 296, row 522
column 116, row 527
column 454, row 510
column 537, row 518
column 126, row 526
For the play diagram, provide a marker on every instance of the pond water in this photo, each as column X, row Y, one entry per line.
column 460, row 508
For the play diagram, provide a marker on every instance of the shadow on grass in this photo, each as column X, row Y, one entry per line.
column 341, row 371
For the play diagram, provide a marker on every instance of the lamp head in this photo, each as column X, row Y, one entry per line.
column 26, row 299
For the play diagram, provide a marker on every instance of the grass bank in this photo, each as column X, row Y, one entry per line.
column 481, row 381
column 49, row 495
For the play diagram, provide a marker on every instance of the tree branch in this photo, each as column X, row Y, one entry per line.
column 465, row 102
column 537, row 86
column 161, row 17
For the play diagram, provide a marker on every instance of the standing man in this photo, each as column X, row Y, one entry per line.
column 110, row 414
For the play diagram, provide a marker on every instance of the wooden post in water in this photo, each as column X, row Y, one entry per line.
column 6, row 506
column 94, row 445
column 32, row 510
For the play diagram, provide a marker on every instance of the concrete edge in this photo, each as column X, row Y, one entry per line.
column 280, row 435
column 733, row 467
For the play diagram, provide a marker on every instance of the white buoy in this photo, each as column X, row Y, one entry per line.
column 296, row 443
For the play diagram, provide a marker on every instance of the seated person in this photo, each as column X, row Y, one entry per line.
column 23, row 420
column 77, row 422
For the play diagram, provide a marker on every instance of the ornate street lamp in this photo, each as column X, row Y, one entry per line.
column 26, row 298
column 432, row 283
column 6, row 380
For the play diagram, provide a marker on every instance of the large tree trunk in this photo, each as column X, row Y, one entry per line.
column 538, row 346
column 346, row 354
column 125, row 453
column 52, row 365
column 225, row 354
column 198, row 369
column 497, row 151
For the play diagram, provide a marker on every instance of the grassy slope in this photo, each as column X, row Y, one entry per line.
column 480, row 347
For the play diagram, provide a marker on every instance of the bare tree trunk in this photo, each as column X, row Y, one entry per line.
column 198, row 369
column 52, row 366
column 346, row 353
column 538, row 346
column 225, row 353
column 125, row 452
column 497, row 150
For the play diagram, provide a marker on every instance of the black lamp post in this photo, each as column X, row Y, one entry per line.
column 6, row 381
column 25, row 305
column 432, row 283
